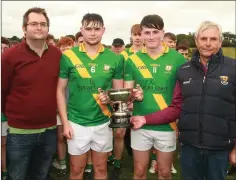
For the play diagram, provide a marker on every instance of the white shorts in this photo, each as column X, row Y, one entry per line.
column 59, row 120
column 4, row 127
column 98, row 138
column 143, row 140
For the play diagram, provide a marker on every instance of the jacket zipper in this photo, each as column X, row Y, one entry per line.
column 201, row 105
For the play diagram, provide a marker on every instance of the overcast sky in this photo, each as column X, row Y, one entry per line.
column 119, row 16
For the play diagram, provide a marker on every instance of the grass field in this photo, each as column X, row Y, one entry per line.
column 127, row 164
column 230, row 51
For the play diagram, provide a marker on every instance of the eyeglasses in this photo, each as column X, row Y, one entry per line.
column 36, row 24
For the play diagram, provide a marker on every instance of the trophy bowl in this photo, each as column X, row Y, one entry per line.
column 123, row 95
column 121, row 115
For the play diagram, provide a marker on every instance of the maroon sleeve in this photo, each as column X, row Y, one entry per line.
column 169, row 114
column 7, row 77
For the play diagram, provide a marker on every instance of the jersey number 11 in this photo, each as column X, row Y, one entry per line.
column 154, row 69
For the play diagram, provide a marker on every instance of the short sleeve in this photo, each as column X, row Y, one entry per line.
column 119, row 68
column 64, row 67
column 129, row 71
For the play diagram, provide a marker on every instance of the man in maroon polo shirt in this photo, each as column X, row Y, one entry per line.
column 29, row 79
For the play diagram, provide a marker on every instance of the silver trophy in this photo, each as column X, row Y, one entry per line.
column 119, row 99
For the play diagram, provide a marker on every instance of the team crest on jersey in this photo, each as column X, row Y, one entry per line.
column 168, row 68
column 106, row 67
column 224, row 80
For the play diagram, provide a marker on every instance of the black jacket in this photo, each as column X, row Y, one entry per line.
column 208, row 115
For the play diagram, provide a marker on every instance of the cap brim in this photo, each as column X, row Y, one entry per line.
column 117, row 44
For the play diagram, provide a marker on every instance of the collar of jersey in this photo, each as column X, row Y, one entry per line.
column 131, row 49
column 83, row 49
column 166, row 49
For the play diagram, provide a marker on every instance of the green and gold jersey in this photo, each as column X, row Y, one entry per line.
column 85, row 75
column 157, row 77
column 127, row 52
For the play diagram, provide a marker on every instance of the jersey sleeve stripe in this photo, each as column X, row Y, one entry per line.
column 141, row 66
column 162, row 104
column 77, row 63
column 104, row 109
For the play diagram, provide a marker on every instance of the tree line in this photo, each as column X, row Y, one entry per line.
column 229, row 39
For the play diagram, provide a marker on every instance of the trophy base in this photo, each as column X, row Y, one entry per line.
column 120, row 122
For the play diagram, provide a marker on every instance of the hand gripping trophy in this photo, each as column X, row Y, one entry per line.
column 120, row 98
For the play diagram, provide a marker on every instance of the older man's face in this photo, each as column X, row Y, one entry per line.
column 118, row 49
column 208, row 42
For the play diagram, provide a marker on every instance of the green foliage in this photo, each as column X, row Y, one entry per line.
column 229, row 39
column 226, row 43
column 128, row 45
column 229, row 36
column 14, row 38
column 187, row 39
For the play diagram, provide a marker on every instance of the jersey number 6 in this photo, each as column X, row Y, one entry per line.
column 92, row 69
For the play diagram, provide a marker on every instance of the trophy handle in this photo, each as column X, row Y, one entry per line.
column 101, row 91
column 133, row 98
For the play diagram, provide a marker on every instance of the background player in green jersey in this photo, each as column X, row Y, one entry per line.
column 154, row 68
column 137, row 42
column 122, row 133
column 85, row 69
